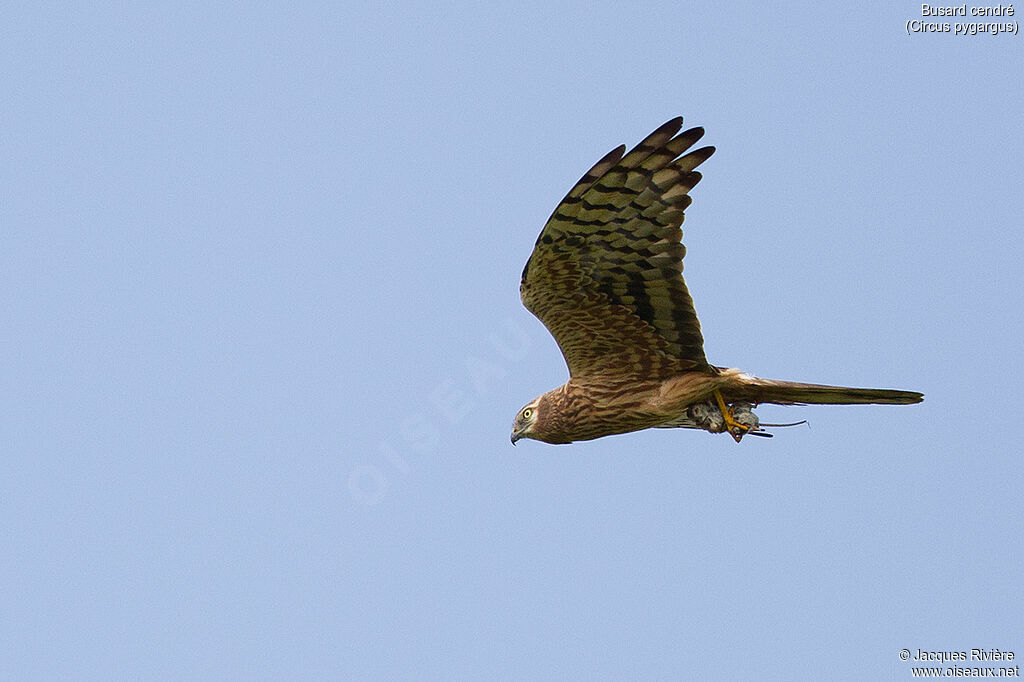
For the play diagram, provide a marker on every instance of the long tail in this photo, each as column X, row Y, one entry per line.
column 757, row 390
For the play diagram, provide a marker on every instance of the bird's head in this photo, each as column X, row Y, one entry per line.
column 526, row 420
column 542, row 419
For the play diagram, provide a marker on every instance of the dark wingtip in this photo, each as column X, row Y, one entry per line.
column 672, row 125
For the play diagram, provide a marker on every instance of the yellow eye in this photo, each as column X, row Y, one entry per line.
column 527, row 412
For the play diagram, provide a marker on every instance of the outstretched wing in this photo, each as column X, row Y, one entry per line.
column 605, row 276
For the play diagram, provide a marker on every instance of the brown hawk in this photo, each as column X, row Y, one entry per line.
column 605, row 278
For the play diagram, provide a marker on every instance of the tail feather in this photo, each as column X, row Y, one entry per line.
column 794, row 393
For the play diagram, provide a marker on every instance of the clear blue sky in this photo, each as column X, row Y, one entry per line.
column 263, row 343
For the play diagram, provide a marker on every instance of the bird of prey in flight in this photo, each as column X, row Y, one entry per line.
column 605, row 278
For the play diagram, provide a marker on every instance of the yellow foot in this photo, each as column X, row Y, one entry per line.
column 735, row 429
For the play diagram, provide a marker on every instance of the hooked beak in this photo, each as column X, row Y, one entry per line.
column 515, row 437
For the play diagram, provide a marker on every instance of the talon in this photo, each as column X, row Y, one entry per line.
column 735, row 429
